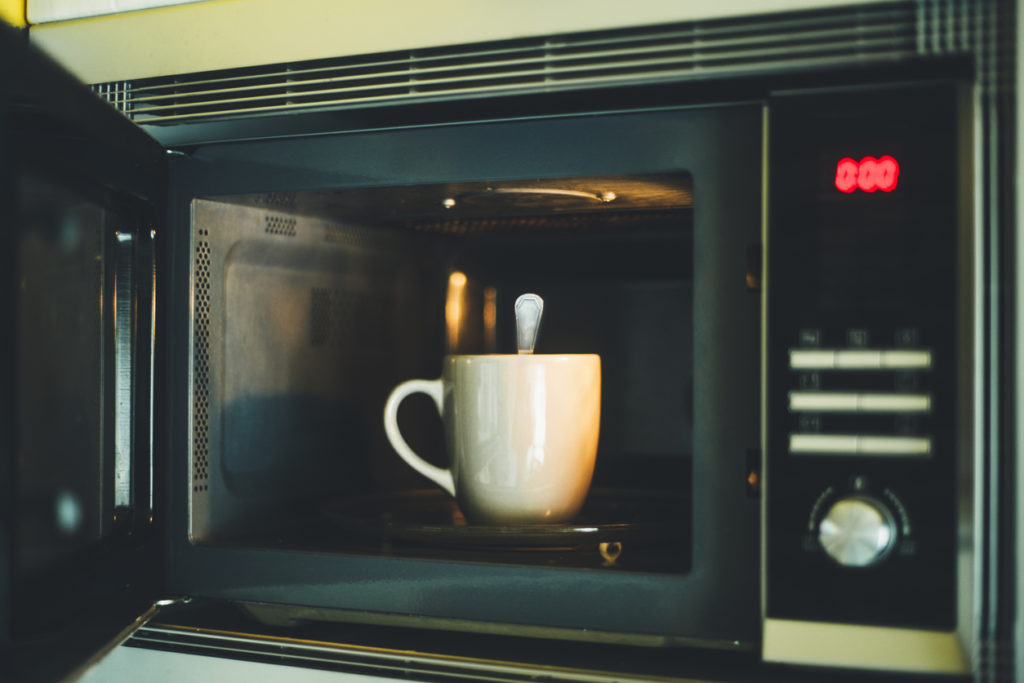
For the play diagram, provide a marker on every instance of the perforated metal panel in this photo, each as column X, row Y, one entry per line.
column 293, row 338
column 201, row 370
column 279, row 225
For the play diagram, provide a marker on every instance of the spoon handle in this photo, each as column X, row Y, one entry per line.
column 529, row 309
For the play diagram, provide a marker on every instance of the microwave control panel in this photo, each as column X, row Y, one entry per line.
column 863, row 389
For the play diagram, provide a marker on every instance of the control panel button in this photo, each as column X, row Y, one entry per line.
column 832, row 401
column 858, row 444
column 909, row 359
column 822, row 401
column 830, row 444
column 894, row 445
column 861, row 359
column 812, row 359
column 857, row 531
column 895, row 403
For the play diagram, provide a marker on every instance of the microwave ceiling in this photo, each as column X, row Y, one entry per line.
column 559, row 200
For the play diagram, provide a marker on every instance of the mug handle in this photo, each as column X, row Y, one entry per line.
column 432, row 388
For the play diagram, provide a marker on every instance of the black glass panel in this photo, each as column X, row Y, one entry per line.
column 60, row 373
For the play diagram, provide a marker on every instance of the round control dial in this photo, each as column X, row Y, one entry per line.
column 857, row 531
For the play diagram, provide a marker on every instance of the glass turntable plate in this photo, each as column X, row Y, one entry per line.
column 432, row 517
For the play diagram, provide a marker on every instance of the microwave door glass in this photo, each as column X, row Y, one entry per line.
column 60, row 374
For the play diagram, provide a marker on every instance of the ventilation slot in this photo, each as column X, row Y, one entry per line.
column 279, row 225
column 591, row 223
column 341, row 235
column 201, row 371
column 673, row 52
column 278, row 200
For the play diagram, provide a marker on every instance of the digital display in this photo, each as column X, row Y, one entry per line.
column 868, row 174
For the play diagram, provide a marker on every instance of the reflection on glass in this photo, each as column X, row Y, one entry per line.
column 491, row 320
column 59, row 358
column 454, row 308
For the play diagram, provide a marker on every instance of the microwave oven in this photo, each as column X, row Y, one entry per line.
column 795, row 268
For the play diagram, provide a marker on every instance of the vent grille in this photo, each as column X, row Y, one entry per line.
column 592, row 223
column 338, row 234
column 280, row 225
column 278, row 200
column 201, row 369
column 546, row 64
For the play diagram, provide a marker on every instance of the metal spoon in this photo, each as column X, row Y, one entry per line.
column 529, row 309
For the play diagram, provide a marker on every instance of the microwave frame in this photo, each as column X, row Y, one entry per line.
column 995, row 268
column 530, row 600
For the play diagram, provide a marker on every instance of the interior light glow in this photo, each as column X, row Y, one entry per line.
column 869, row 174
column 491, row 319
column 454, row 308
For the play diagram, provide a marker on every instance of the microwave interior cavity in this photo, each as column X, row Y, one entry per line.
column 309, row 307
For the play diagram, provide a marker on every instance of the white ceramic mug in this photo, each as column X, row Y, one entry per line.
column 521, row 434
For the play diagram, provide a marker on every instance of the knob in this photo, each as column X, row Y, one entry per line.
column 857, row 531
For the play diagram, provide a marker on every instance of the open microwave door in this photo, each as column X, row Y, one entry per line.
column 81, row 194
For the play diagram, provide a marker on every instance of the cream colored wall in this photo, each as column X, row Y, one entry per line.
column 13, row 12
column 41, row 11
column 232, row 33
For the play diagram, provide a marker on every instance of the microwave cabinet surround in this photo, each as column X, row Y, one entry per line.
column 796, row 273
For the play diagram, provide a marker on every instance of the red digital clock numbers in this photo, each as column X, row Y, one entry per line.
column 868, row 174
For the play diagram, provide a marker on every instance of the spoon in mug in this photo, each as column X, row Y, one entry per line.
column 529, row 309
